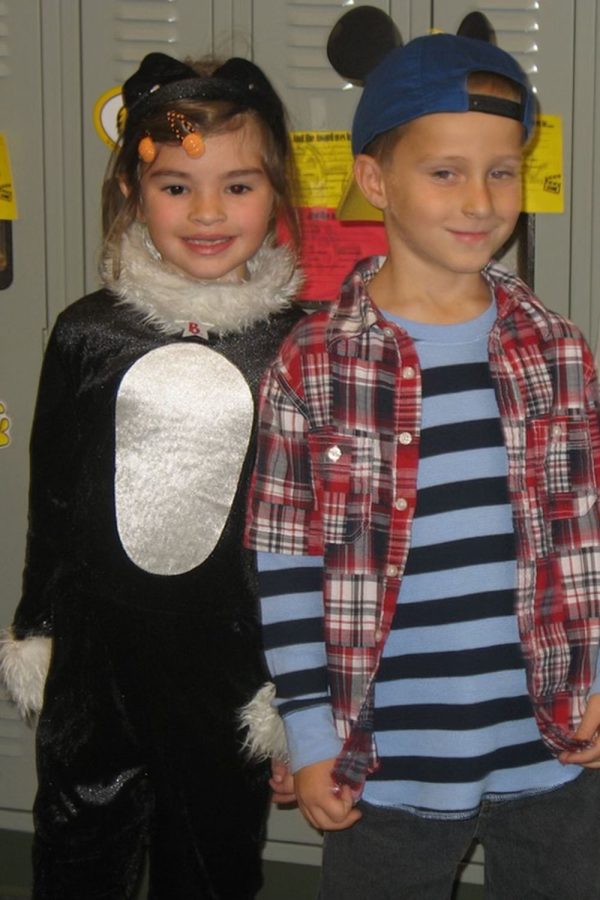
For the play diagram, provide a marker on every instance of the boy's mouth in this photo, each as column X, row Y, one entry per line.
column 471, row 237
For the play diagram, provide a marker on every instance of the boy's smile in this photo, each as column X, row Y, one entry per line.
column 208, row 216
column 451, row 195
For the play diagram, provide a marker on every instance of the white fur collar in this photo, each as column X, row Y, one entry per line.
column 168, row 298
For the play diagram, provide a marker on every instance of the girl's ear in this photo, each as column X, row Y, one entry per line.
column 369, row 177
column 126, row 191
column 124, row 187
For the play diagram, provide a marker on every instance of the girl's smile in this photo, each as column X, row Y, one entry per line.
column 208, row 216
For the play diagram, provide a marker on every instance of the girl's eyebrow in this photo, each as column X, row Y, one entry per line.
column 241, row 173
column 234, row 173
column 168, row 173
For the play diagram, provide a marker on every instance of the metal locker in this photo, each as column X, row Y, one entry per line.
column 23, row 319
column 57, row 59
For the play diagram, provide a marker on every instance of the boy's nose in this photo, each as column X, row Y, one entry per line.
column 477, row 200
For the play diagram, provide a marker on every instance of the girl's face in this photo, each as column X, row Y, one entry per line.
column 209, row 216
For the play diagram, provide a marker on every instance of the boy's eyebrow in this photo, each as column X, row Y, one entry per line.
column 439, row 157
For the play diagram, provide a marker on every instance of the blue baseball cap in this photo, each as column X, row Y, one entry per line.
column 429, row 75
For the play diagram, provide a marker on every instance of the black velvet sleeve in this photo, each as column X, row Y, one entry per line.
column 53, row 448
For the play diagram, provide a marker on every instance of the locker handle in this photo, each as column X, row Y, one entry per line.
column 6, row 254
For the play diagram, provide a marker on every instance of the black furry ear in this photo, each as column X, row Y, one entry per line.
column 476, row 25
column 246, row 73
column 359, row 40
column 156, row 70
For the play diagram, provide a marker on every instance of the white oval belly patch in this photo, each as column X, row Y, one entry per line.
column 183, row 422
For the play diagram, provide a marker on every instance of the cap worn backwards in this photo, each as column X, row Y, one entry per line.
column 429, row 75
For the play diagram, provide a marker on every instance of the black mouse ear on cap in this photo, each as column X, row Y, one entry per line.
column 476, row 25
column 359, row 40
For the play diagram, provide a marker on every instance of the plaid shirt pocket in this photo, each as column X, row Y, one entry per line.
column 342, row 477
column 563, row 492
column 569, row 465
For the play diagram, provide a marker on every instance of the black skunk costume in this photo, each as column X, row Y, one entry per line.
column 137, row 590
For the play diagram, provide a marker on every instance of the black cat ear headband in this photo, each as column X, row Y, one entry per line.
column 161, row 80
column 427, row 75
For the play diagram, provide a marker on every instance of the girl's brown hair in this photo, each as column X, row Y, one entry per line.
column 121, row 186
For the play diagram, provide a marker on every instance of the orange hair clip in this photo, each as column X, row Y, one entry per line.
column 191, row 140
column 147, row 149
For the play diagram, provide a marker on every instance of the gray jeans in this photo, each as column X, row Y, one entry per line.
column 542, row 847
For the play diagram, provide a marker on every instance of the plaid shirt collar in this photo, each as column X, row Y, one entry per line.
column 355, row 312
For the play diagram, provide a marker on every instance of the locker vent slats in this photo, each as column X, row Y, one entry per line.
column 517, row 27
column 4, row 40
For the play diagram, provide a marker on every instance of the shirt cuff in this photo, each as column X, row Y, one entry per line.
column 311, row 736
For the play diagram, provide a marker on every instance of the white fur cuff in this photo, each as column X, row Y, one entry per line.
column 266, row 735
column 23, row 670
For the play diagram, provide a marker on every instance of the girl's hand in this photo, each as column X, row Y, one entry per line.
column 589, row 730
column 282, row 783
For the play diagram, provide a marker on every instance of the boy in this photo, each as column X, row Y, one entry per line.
column 424, row 501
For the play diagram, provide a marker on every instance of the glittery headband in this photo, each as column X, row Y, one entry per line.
column 161, row 80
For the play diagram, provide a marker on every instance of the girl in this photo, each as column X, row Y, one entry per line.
column 136, row 586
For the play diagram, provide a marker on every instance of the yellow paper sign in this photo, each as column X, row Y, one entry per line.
column 323, row 160
column 8, row 203
column 354, row 206
column 543, row 176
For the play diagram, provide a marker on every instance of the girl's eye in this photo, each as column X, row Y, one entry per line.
column 174, row 190
column 239, row 188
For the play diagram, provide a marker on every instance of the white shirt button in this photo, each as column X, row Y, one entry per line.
column 405, row 437
column 391, row 571
column 334, row 453
column 401, row 503
column 389, row 332
column 378, row 635
column 408, row 372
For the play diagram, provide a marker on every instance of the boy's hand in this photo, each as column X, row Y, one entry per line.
column 324, row 804
column 282, row 783
column 589, row 730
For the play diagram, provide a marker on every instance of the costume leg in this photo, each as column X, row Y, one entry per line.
column 545, row 847
column 209, row 836
column 211, row 804
column 390, row 854
column 93, row 798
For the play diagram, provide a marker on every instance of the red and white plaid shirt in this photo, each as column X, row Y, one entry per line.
column 336, row 476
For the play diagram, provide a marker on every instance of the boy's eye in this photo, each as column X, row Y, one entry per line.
column 443, row 174
column 500, row 174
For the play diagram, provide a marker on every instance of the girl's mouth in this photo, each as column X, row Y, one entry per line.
column 207, row 246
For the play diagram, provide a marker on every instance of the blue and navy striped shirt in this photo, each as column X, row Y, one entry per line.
column 453, row 718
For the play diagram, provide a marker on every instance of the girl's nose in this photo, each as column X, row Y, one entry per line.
column 207, row 209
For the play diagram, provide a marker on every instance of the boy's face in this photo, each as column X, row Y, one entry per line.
column 450, row 190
